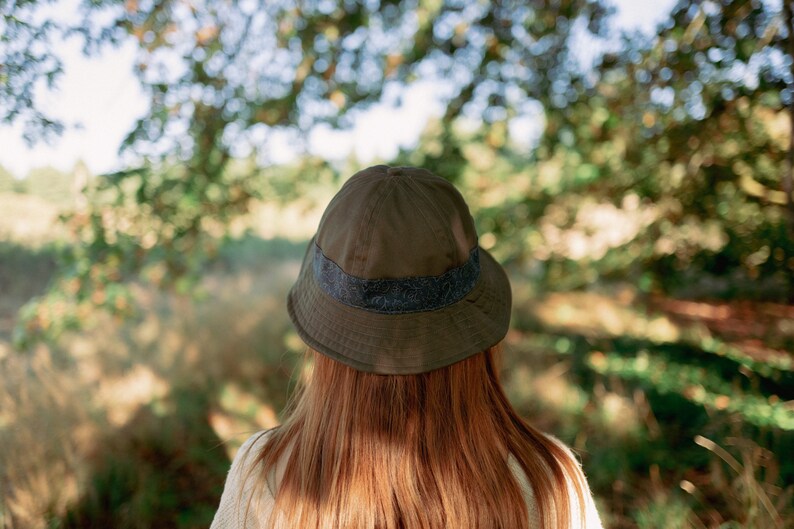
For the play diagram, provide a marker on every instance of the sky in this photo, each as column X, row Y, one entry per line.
column 101, row 99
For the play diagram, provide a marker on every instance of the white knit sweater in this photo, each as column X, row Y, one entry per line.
column 232, row 508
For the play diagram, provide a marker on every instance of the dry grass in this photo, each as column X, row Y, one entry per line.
column 216, row 366
column 186, row 375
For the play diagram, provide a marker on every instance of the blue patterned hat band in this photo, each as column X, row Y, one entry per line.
column 397, row 296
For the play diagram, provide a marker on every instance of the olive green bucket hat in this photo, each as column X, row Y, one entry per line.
column 394, row 281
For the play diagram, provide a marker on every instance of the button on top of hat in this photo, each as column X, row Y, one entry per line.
column 395, row 171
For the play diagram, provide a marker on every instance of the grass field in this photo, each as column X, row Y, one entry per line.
column 132, row 423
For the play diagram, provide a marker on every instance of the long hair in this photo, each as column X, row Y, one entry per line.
column 430, row 451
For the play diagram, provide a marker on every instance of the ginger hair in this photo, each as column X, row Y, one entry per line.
column 429, row 451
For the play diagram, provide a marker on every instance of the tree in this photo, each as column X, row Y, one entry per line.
column 221, row 76
column 703, row 117
column 691, row 126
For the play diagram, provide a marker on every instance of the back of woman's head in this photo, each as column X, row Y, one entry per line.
column 432, row 450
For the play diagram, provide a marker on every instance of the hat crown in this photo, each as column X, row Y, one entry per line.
column 397, row 222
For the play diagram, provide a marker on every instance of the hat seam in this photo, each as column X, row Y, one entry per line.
column 353, row 182
column 417, row 189
column 451, row 245
column 385, row 190
column 398, row 368
column 335, row 339
column 468, row 337
column 312, row 242
column 371, row 225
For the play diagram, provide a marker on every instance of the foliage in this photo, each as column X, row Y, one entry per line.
column 130, row 423
column 700, row 382
column 676, row 145
column 659, row 355
column 684, row 132
column 660, row 184
column 704, row 132
column 23, row 70
column 221, row 77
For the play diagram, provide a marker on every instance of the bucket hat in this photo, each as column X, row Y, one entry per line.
column 394, row 281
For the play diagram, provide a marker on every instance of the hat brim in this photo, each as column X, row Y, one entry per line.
column 402, row 344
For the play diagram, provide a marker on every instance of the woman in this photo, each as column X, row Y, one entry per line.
column 402, row 423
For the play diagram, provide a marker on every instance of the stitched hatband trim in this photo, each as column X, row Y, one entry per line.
column 397, row 296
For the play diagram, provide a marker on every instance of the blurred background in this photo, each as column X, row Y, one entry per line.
column 164, row 162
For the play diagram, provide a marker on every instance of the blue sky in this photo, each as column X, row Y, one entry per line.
column 102, row 95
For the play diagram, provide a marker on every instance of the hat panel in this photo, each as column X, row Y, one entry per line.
column 347, row 218
column 453, row 215
column 407, row 237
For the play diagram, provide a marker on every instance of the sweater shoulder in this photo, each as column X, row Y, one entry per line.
column 233, row 511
